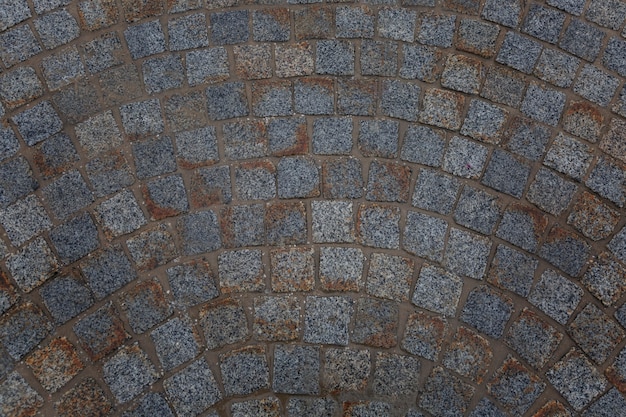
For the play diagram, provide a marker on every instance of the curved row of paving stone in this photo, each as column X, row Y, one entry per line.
column 360, row 209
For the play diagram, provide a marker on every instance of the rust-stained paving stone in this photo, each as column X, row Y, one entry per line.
column 22, row 328
column 605, row 279
column 616, row 373
column 593, row 218
column 101, row 332
column 596, row 333
column 390, row 277
column 469, row 355
column 376, row 323
column 253, row 61
column 210, row 186
column 152, row 248
column 533, row 338
column 515, row 387
column 346, row 369
column 224, row 322
column 146, row 305
column 614, row 141
column 442, row 108
column 242, row 225
column 285, row 223
column 583, row 120
column 135, row 10
column 424, row 335
column 8, row 295
column 445, row 395
column 553, row 409
column 293, row 269
column 276, row 318
column 314, row 22
column 186, row 111
column 97, row 14
column 85, row 399
column 341, row 269
column 55, row 364
column 565, row 250
column 17, row 398
column 388, row 182
column 294, row 59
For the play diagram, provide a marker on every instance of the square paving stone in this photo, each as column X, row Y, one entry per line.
column 592, row 218
column 379, row 138
column 99, row 134
column 120, row 215
column 477, row 37
column 467, row 253
column 287, row 136
column 85, row 398
column 595, row 333
column 346, row 369
column 297, row 177
column 334, row 57
column 610, row 403
column 103, row 52
column 293, row 269
column 614, row 56
column 55, row 364
column 188, row 32
column 420, row 62
column 242, row 225
column 357, row 97
column 576, row 379
column 120, row 84
column 296, row 370
column 515, row 387
column 253, row 62
column 276, row 318
column 326, row 320
column 390, row 277
column 38, row 123
column 145, row 39
column 556, row 296
column 354, row 22
column 379, row 58
column 78, row 101
column 400, row 99
column 477, row 210
column 396, row 376
column 18, row 398
column 445, row 394
column 376, row 323
column 565, row 250
column 67, row 195
column 341, row 269
column 206, row 65
column 244, row 370
column 196, row 147
column 314, row 96
column 543, row 104
column 605, row 279
column 533, row 338
column 142, row 118
column 523, row 226
column 175, row 343
column 313, row 22
column 424, row 335
column 109, row 173
column 192, row 282
column 97, row 14
column 272, row 98
column 397, row 24
column 486, row 408
column 227, row 101
column 65, row 298
column 332, row 135
column 378, row 226
column 436, row 30
column 18, row 45
column 245, row 139
column 56, row 28
column 616, row 373
column 241, row 271
column 512, row 270
column 137, row 10
column 17, row 11
column 101, row 332
column 22, row 329
column 550, row 192
column 462, row 73
column 557, row 67
column 608, row 13
column 162, row 73
column 128, row 372
column 527, row 139
column 75, row 238
column 145, row 305
column 507, row 12
column 229, row 27
column 150, row 404
column 154, row 157
column 255, row 180
column 423, row 145
column 469, row 355
column 519, row 52
column 388, row 182
column 25, row 219
column 223, row 322
column 271, row 25
column 613, row 141
column 596, row 85
column 424, row 235
column 506, row 173
column 608, row 178
column 193, row 389
column 437, row 290
column 582, row 39
column 484, row 122
column 55, row 156
column 488, row 311
column 464, row 158
column 20, row 86
column 543, row 23
column 61, row 68
column 342, row 178
column 165, row 197
column 332, row 221
column 574, row 7
column 285, row 223
column 186, row 111
column 32, row 265
column 293, row 60
column 107, row 271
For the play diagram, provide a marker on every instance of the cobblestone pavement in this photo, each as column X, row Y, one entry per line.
column 313, row 208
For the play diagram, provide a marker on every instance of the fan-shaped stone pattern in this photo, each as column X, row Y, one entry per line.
column 408, row 207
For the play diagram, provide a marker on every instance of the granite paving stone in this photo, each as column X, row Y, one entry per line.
column 244, row 370
column 400, row 99
column 192, row 282
column 605, row 279
column 346, row 369
column 424, row 235
column 19, row 11
column 608, row 179
column 436, row 30
column 477, row 37
column 145, row 305
column 206, row 65
column 65, row 298
column 25, row 219
column 397, row 23
column 287, row 136
column 17, row 397
column 437, row 290
column 379, row 138
column 550, row 192
column 595, row 333
column 223, row 322
column 592, row 218
column 101, row 332
column 556, row 296
column 154, row 156
column 162, row 73
column 543, row 104
column 469, row 355
column 55, row 364
column 292, row 269
column 61, row 68
column 620, row 315
column 388, row 182
column 314, row 22
column 442, row 108
column 56, row 28
column 354, row 22
column 342, row 178
column 379, row 58
column 294, row 60
column 134, row 11
column 242, row 225
column 533, row 338
column 614, row 56
column 519, row 52
column 265, row 407
column 512, row 270
column 332, row 135
column 484, row 122
column 255, row 181
column 557, row 67
column 609, row 403
column 185, row 111
column 341, row 269
column 424, row 334
column 271, row 25
column 445, row 394
column 464, row 158
column 506, row 173
column 17, row 45
column 296, row 370
column 253, row 62
column 227, row 100
column 196, row 147
column 367, row 408
column 477, row 210
column 245, row 139
column 314, row 96
column 467, row 253
column 423, row 145
column 241, row 271
column 390, row 277
column 229, row 27
column 297, row 177
column 38, row 123
column 544, row 23
column 488, row 311
column 610, row 14
column 22, row 329
column 78, row 101
column 584, row 120
column 193, row 389
column 334, row 57
column 326, row 320
column 616, row 373
column 565, row 250
column 150, row 404
column 175, row 342
column 378, row 226
column 375, row 323
column 515, row 387
column 332, row 222
column 596, row 85
column 55, row 155
column 32, row 265
column 107, row 271
column 97, row 14
column 357, row 97
column 120, row 84
column 86, row 397
column 420, row 62
column 613, row 141
column 20, row 86
column 582, row 39
column 120, row 215
column 272, row 98
column 285, row 223
column 277, row 319
column 487, row 408
column 462, row 73
column 142, row 118
column 396, row 375
column 67, row 194
column 187, row 32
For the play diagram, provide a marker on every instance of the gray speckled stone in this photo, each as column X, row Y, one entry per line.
column 519, row 52
column 556, row 296
column 24, row 220
column 297, row 177
column 223, row 323
column 437, row 30
column 75, row 238
column 423, row 145
column 464, row 158
column 17, row 45
column 175, row 342
column 543, row 23
column 38, row 123
column 435, row 191
column 326, row 320
column 467, row 253
column 120, row 214
column 56, row 28
column 582, row 39
column 400, row 99
column 65, row 298
column 332, row 135
column 543, row 104
column 229, row 27
column 488, row 311
column 512, row 270
column 478, row 210
column 533, row 338
column 193, row 389
column 107, row 271
column 437, row 290
column 504, row 12
column 424, row 235
column 128, row 372
column 296, row 370
column 245, row 370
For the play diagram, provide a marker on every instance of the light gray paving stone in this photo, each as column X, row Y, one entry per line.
column 556, row 296
column 326, row 320
column 437, row 290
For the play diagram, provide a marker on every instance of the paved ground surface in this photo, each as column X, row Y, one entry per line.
column 237, row 208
